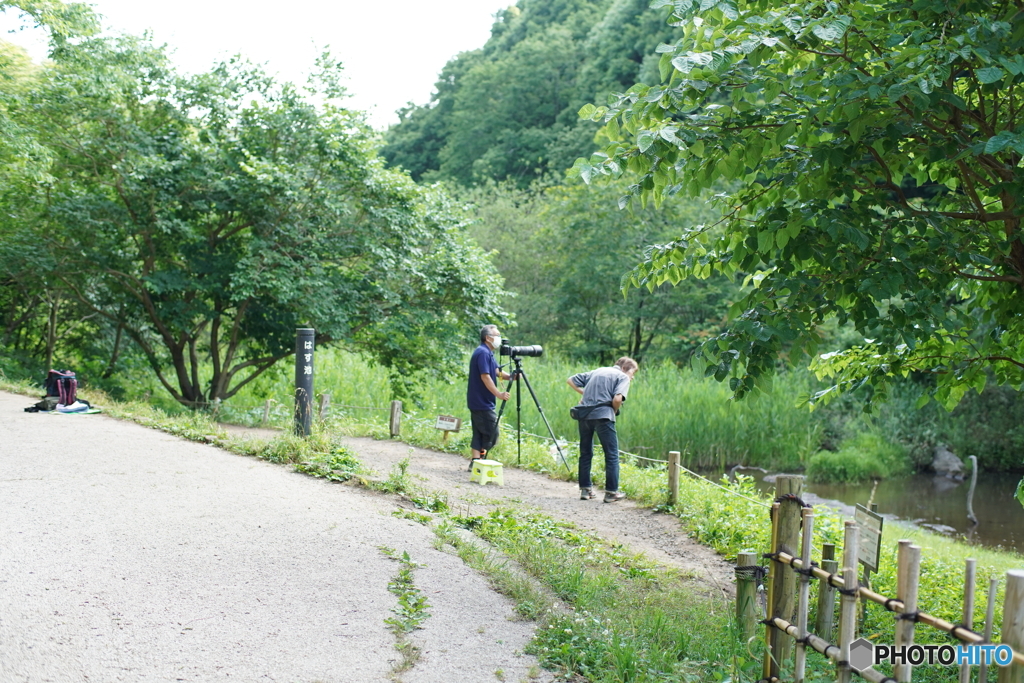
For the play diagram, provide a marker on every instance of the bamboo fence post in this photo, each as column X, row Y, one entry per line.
column 848, row 610
column 1013, row 624
column 968, row 620
column 673, row 478
column 395, row 422
column 746, row 594
column 990, row 618
column 908, row 572
column 787, row 540
column 805, row 587
column 826, row 594
column 325, row 404
column 266, row 412
column 770, row 662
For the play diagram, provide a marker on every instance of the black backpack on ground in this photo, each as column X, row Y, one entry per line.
column 61, row 387
column 63, row 384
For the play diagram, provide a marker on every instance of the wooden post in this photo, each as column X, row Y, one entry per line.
column 395, row 423
column 848, row 609
column 990, row 618
column 968, row 614
column 826, row 594
column 1013, row 624
column 325, row 404
column 266, row 412
column 787, row 540
column 770, row 662
column 908, row 572
column 970, row 493
column 746, row 595
column 673, row 477
column 805, row 586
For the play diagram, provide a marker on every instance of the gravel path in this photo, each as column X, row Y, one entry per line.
column 130, row 555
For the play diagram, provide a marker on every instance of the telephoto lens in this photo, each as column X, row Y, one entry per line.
column 531, row 351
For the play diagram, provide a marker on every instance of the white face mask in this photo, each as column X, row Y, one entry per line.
column 495, row 342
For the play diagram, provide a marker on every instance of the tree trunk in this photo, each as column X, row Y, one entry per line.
column 51, row 334
column 117, row 351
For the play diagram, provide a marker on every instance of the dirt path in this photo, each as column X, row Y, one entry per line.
column 130, row 555
column 659, row 536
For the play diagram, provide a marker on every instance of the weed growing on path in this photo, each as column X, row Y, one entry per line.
column 410, row 612
column 399, row 482
column 417, row 517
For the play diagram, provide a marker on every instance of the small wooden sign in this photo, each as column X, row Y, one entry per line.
column 870, row 546
column 448, row 423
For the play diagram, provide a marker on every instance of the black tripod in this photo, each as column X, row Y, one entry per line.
column 517, row 375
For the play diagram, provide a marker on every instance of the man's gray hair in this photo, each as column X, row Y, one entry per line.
column 626, row 364
column 488, row 331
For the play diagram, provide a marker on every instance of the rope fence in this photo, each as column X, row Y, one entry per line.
column 327, row 410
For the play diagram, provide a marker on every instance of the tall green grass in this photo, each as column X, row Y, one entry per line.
column 668, row 409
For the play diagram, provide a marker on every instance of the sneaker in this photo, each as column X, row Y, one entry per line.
column 471, row 461
column 613, row 496
column 588, row 494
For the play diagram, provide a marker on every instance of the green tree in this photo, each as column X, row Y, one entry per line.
column 207, row 217
column 508, row 110
column 32, row 314
column 589, row 245
column 876, row 153
column 563, row 251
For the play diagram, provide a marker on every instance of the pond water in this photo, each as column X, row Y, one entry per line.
column 937, row 503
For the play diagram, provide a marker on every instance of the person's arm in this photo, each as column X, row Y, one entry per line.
column 498, row 393
column 617, row 401
column 578, row 390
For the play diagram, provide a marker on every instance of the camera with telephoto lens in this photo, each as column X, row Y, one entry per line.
column 532, row 351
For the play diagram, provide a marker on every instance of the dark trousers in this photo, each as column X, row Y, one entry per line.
column 485, row 429
column 605, row 430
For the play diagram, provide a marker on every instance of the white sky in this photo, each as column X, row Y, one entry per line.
column 392, row 51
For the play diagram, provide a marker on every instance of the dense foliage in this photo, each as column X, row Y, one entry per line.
column 563, row 251
column 202, row 219
column 508, row 110
column 877, row 157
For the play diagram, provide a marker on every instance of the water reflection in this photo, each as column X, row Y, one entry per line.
column 939, row 503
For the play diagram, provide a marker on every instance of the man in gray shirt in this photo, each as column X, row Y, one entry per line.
column 603, row 392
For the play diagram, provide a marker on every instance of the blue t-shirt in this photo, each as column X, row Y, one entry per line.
column 482, row 362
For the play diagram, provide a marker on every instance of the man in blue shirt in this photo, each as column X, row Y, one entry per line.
column 603, row 392
column 482, row 392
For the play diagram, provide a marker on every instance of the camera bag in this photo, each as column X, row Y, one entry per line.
column 580, row 412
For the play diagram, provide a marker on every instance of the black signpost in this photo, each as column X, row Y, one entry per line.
column 304, row 347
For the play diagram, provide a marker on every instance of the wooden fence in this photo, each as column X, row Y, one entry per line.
column 791, row 572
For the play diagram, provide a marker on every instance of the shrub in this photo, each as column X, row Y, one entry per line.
column 868, row 455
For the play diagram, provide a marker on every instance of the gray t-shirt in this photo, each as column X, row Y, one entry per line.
column 601, row 386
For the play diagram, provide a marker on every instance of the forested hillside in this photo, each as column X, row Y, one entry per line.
column 508, row 111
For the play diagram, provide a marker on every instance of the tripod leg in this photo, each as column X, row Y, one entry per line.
column 504, row 403
column 519, row 424
column 545, row 418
